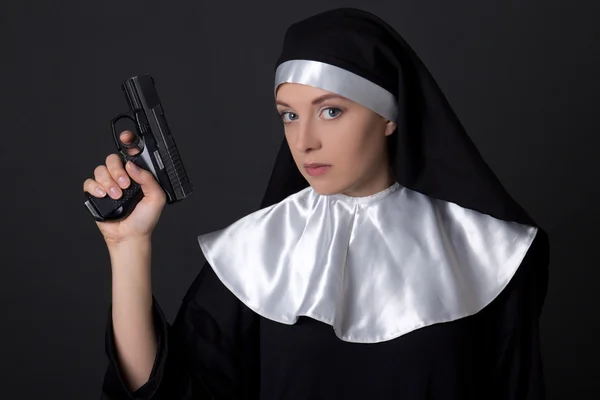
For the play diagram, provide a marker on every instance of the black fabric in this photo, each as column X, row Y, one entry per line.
column 217, row 348
column 431, row 152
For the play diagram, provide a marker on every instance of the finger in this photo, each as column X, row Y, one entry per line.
column 93, row 188
column 104, row 178
column 126, row 137
column 147, row 181
column 117, row 170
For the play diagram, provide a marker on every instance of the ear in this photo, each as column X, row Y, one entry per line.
column 390, row 127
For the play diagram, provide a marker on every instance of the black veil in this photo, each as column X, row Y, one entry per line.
column 430, row 151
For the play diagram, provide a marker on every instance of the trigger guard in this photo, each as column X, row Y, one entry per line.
column 119, row 144
column 127, row 157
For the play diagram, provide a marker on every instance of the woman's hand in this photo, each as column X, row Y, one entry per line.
column 109, row 180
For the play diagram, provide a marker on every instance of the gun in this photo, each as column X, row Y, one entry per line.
column 157, row 152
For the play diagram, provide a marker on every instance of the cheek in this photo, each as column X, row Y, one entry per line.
column 295, row 153
column 354, row 147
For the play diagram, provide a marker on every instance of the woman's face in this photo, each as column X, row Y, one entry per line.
column 344, row 141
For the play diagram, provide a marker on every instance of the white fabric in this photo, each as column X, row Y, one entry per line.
column 373, row 268
column 339, row 81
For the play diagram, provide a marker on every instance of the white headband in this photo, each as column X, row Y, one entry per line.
column 339, row 81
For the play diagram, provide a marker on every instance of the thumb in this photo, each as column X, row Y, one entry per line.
column 147, row 181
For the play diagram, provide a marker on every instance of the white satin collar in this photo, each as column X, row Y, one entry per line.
column 374, row 268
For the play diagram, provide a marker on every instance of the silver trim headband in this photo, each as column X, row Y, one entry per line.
column 339, row 81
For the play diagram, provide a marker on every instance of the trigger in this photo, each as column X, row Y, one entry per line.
column 133, row 144
column 137, row 144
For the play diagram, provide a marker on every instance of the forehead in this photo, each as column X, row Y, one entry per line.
column 298, row 92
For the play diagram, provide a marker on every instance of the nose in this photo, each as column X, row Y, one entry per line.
column 306, row 138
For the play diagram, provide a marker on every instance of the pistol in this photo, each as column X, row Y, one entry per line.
column 156, row 152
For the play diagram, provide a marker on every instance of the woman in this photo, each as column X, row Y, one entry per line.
column 386, row 261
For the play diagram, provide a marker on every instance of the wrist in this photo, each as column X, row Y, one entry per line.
column 130, row 243
column 132, row 251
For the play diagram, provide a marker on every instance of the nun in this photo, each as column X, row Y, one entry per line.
column 386, row 260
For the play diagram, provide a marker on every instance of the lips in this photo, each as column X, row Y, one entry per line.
column 316, row 169
column 315, row 165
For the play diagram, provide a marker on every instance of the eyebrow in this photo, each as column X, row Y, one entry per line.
column 318, row 100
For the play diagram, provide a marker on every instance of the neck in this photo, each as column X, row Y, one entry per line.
column 373, row 184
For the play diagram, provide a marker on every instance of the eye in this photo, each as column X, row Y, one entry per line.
column 292, row 116
column 331, row 112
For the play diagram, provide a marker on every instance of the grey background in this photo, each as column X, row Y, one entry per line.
column 521, row 75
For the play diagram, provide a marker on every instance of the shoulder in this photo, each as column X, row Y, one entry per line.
column 208, row 302
column 525, row 295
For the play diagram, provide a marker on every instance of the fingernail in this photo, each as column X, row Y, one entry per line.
column 122, row 181
column 100, row 192
column 114, row 191
column 134, row 167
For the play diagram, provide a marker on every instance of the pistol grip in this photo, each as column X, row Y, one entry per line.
column 108, row 209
